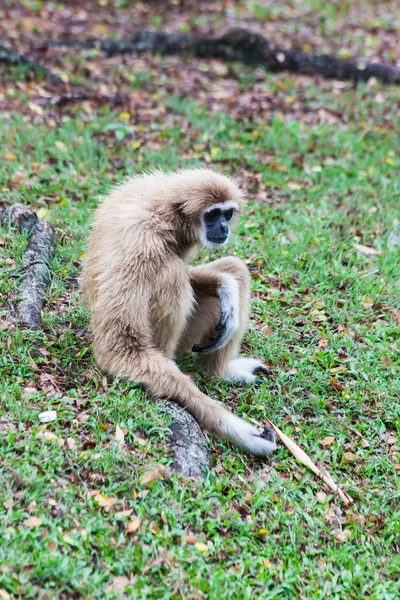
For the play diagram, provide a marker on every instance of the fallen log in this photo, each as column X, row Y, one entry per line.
column 35, row 262
column 239, row 44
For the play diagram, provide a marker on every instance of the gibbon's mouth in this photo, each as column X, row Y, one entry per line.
column 215, row 240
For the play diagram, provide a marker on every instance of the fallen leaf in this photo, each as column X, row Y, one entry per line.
column 349, row 458
column 267, row 563
column 262, row 532
column 201, row 547
column 321, row 497
column 385, row 361
column 365, row 444
column 154, row 474
column 119, row 436
column 33, row 522
column 9, row 157
column 190, row 539
column 9, row 503
column 327, row 441
column 51, row 546
column 292, row 185
column 4, row 594
column 391, row 440
column 61, row 146
column 319, row 304
column 342, row 534
column 336, row 385
column 133, row 525
column 104, row 501
column 368, row 302
column 367, row 250
column 118, row 585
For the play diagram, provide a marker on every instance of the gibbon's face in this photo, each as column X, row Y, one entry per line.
column 216, row 224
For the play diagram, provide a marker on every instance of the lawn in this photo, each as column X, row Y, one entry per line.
column 319, row 162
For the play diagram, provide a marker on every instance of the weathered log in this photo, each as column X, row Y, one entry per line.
column 35, row 262
column 239, row 44
column 189, row 446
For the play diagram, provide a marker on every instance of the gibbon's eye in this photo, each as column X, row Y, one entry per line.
column 228, row 214
column 212, row 215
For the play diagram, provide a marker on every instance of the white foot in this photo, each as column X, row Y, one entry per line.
column 248, row 437
column 243, row 369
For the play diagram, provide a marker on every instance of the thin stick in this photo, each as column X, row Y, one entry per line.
column 306, row 460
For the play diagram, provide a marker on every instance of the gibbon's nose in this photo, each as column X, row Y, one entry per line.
column 223, row 229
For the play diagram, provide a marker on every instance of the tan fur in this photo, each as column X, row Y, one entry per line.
column 147, row 305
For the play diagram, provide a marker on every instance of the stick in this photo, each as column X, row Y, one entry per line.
column 306, row 460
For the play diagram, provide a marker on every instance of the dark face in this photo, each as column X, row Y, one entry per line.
column 216, row 221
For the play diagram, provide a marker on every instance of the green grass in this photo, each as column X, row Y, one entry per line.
column 266, row 535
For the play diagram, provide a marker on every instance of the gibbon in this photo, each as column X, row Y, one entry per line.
column 149, row 306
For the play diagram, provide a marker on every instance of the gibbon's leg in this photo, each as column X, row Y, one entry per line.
column 230, row 274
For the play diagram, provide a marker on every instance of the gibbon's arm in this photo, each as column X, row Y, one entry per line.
column 225, row 287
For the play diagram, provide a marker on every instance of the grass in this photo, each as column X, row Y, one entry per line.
column 324, row 316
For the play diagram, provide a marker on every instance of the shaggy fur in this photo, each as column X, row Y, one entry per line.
column 147, row 305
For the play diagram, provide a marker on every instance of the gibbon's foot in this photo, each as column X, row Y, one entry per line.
column 247, row 436
column 246, row 370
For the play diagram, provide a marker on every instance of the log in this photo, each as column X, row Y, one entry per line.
column 189, row 446
column 239, row 44
column 35, row 262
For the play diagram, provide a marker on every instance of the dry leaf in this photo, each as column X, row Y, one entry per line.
column 201, row 547
column 9, row 157
column 154, row 474
column 342, row 535
column 119, row 436
column 301, row 456
column 190, row 539
column 133, row 525
column 391, row 440
column 9, row 503
column 104, row 501
column 349, row 458
column 365, row 444
column 327, row 441
column 367, row 250
column 118, row 585
column 33, row 522
column 321, row 497
column 368, row 302
column 61, row 146
column 4, row 594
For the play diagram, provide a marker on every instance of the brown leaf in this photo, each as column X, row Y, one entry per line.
column 336, row 385
column 154, row 474
column 349, row 458
column 368, row 302
column 9, row 157
column 104, row 501
column 367, row 250
column 133, row 525
column 33, row 522
column 385, row 361
column 342, row 534
column 118, row 585
column 327, row 441
column 321, row 497
column 391, row 440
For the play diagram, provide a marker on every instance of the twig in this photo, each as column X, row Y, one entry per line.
column 306, row 460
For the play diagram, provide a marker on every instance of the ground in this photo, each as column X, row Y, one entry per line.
column 319, row 163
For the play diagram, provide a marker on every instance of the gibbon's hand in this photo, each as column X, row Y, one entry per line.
column 229, row 321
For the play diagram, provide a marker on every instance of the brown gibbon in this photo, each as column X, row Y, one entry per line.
column 149, row 306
